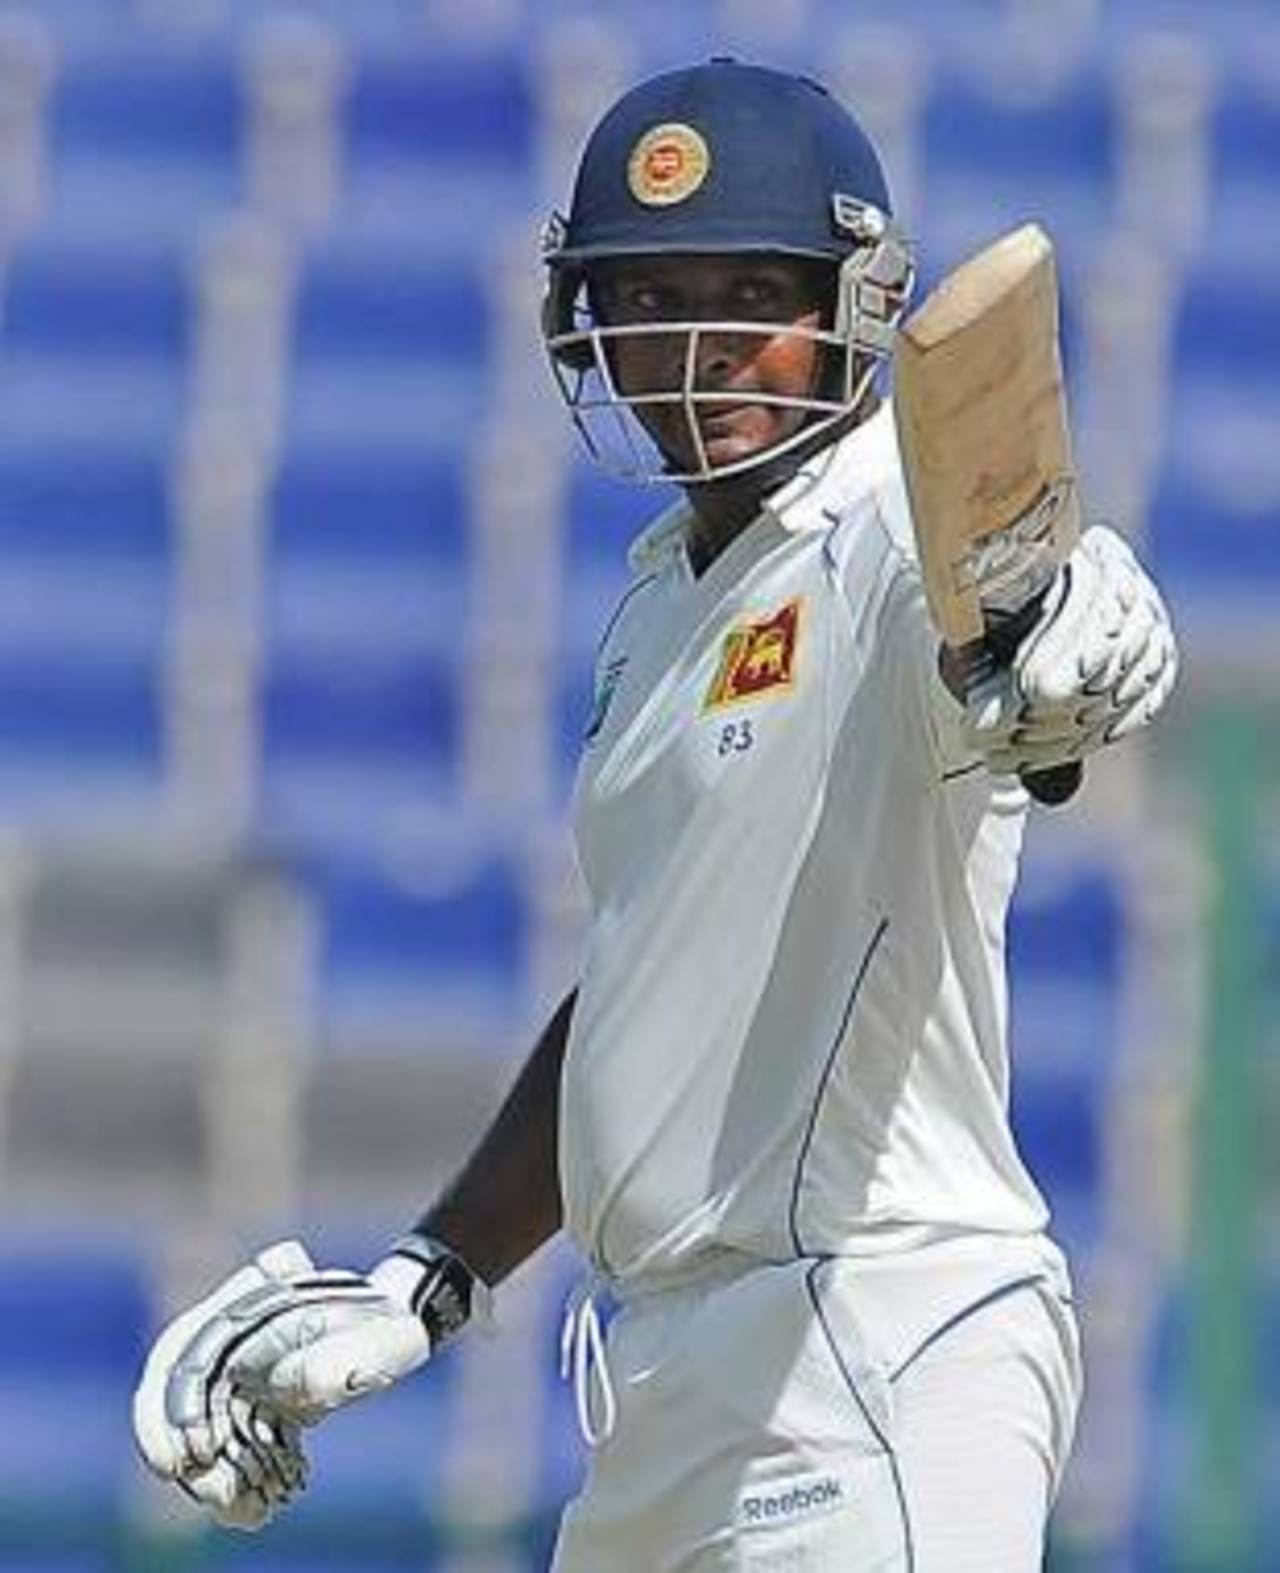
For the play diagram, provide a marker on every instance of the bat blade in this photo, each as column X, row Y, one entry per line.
column 986, row 447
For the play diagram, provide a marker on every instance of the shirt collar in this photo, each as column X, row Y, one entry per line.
column 832, row 478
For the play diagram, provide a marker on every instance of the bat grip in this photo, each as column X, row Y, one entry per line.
column 1057, row 784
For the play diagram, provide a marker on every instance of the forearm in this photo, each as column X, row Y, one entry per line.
column 506, row 1201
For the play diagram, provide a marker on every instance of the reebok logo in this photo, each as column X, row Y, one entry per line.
column 790, row 1501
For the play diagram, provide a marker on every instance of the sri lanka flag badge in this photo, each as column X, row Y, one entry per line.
column 757, row 658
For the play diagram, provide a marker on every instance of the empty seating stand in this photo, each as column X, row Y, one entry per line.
column 85, row 556
column 1246, row 132
column 1214, row 518
column 422, row 104
column 70, row 295
column 150, row 96
column 74, row 1320
column 366, row 623
column 995, row 157
column 1066, row 956
column 369, row 304
column 429, row 949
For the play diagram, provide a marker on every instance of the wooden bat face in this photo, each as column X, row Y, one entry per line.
column 982, row 423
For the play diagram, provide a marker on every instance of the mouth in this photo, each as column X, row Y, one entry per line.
column 715, row 418
column 723, row 431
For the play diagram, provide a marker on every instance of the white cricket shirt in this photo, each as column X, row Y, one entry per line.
column 790, row 1031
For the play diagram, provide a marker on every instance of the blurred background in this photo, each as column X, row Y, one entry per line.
column 300, row 581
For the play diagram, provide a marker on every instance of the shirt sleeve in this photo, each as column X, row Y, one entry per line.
column 912, row 648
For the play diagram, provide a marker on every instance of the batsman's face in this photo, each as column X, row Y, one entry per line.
column 736, row 365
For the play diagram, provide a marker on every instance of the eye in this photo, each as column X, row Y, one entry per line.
column 645, row 300
column 759, row 296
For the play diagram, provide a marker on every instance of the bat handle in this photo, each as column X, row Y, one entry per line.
column 1059, row 783
column 1056, row 785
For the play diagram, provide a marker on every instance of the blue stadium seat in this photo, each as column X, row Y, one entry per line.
column 1057, row 1120
column 400, row 503
column 602, row 519
column 71, row 1453
column 362, row 301
column 67, row 295
column 1070, row 134
column 1167, row 1472
column 79, row 712
column 1229, row 322
column 368, row 553
column 1214, row 517
column 144, row 96
column 389, row 1456
column 1246, row 129
column 1068, row 928
column 966, row 210
column 350, row 747
column 1066, row 950
column 398, row 951
column 71, row 1310
column 990, row 166
column 432, row 105
column 86, row 545
column 1217, row 555
column 365, row 630
column 107, row 503
column 400, row 711
column 74, row 1323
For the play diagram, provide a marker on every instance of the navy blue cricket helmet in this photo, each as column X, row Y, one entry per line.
column 723, row 158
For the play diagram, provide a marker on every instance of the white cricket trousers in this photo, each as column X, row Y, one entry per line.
column 760, row 1428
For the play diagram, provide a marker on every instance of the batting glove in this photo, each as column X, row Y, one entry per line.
column 260, row 1465
column 1098, row 665
column 280, row 1346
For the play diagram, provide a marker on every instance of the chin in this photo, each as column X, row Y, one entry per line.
column 726, row 447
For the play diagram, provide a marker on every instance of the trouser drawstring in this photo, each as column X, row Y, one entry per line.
column 583, row 1356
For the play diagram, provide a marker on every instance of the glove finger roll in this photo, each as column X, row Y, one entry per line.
column 159, row 1441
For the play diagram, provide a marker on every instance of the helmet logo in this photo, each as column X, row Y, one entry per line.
column 667, row 165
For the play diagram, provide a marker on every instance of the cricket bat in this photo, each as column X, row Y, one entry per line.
column 982, row 424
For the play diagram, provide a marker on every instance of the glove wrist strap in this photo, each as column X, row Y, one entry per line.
column 448, row 1294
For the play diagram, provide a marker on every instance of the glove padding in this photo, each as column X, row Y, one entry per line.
column 260, row 1465
column 1097, row 666
column 230, row 1384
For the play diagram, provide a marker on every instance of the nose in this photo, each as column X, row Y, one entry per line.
column 717, row 357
